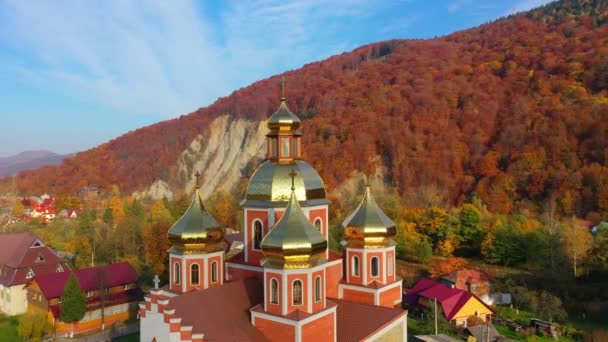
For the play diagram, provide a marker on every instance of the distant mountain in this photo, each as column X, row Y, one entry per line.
column 513, row 112
column 28, row 160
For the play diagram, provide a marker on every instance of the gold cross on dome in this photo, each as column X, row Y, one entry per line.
column 197, row 175
column 293, row 175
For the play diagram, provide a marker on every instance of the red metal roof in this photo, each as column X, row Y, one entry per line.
column 451, row 299
column 356, row 321
column 52, row 285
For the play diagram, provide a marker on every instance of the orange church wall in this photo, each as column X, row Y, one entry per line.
column 273, row 308
column 390, row 255
column 388, row 297
column 358, row 296
column 220, row 271
column 370, row 255
column 317, row 306
column 319, row 330
column 319, row 213
column 290, row 279
column 185, row 335
column 352, row 279
column 173, row 286
column 254, row 256
column 275, row 331
column 333, row 275
column 201, row 270
column 277, row 215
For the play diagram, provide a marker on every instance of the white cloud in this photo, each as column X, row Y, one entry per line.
column 525, row 5
column 162, row 57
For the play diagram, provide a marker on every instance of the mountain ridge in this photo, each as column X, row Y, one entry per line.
column 484, row 112
column 28, row 160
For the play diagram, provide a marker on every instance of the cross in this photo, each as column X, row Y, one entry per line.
column 293, row 175
column 197, row 175
column 156, row 280
column 283, row 87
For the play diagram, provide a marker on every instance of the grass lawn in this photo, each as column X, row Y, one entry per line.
column 8, row 329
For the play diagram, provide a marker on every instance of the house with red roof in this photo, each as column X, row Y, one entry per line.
column 111, row 291
column 457, row 305
column 23, row 257
column 284, row 284
column 475, row 281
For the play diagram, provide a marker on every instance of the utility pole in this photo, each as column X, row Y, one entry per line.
column 436, row 316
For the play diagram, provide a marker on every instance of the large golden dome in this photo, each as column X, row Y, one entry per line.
column 270, row 185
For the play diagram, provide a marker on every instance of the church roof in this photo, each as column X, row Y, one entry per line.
column 283, row 120
column 293, row 241
column 368, row 221
column 225, row 316
column 196, row 226
column 354, row 323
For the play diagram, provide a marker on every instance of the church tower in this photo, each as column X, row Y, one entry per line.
column 369, row 255
column 295, row 307
column 268, row 191
column 196, row 257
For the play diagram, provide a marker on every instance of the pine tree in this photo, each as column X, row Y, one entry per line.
column 74, row 303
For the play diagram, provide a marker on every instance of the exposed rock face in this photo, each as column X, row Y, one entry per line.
column 220, row 153
column 158, row 190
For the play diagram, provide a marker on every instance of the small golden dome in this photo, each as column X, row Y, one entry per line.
column 283, row 120
column 293, row 242
column 196, row 231
column 368, row 225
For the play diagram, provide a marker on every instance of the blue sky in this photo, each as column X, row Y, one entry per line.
column 74, row 74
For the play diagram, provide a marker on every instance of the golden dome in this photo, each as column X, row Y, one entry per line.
column 196, row 231
column 283, row 119
column 293, row 242
column 270, row 185
column 368, row 225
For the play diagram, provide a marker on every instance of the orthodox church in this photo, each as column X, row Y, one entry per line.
column 286, row 284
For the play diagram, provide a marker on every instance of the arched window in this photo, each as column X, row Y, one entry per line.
column 375, row 266
column 176, row 274
column 355, row 271
column 317, row 289
column 257, row 234
column 214, row 272
column 274, row 291
column 319, row 225
column 297, row 292
column 390, row 265
column 284, row 147
column 194, row 274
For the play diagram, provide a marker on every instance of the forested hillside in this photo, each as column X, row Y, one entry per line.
column 514, row 112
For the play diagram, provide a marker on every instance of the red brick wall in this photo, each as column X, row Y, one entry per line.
column 317, row 306
column 333, row 276
column 254, row 256
column 275, row 331
column 370, row 255
column 349, row 267
column 290, row 279
column 237, row 274
column 320, row 330
column 388, row 298
column 358, row 296
column 173, row 286
column 273, row 308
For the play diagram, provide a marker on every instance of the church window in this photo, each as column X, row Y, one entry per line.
column 194, row 274
column 375, row 267
column 257, row 234
column 284, row 147
column 214, row 272
column 297, row 292
column 319, row 225
column 274, row 291
column 176, row 274
column 296, row 148
column 390, row 265
column 355, row 266
column 317, row 289
column 274, row 148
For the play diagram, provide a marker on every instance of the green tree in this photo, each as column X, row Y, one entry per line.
column 471, row 233
column 507, row 246
column 74, row 303
column 551, row 307
column 108, row 216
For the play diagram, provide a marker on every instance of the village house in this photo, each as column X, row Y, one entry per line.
column 477, row 282
column 23, row 257
column 457, row 305
column 111, row 291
